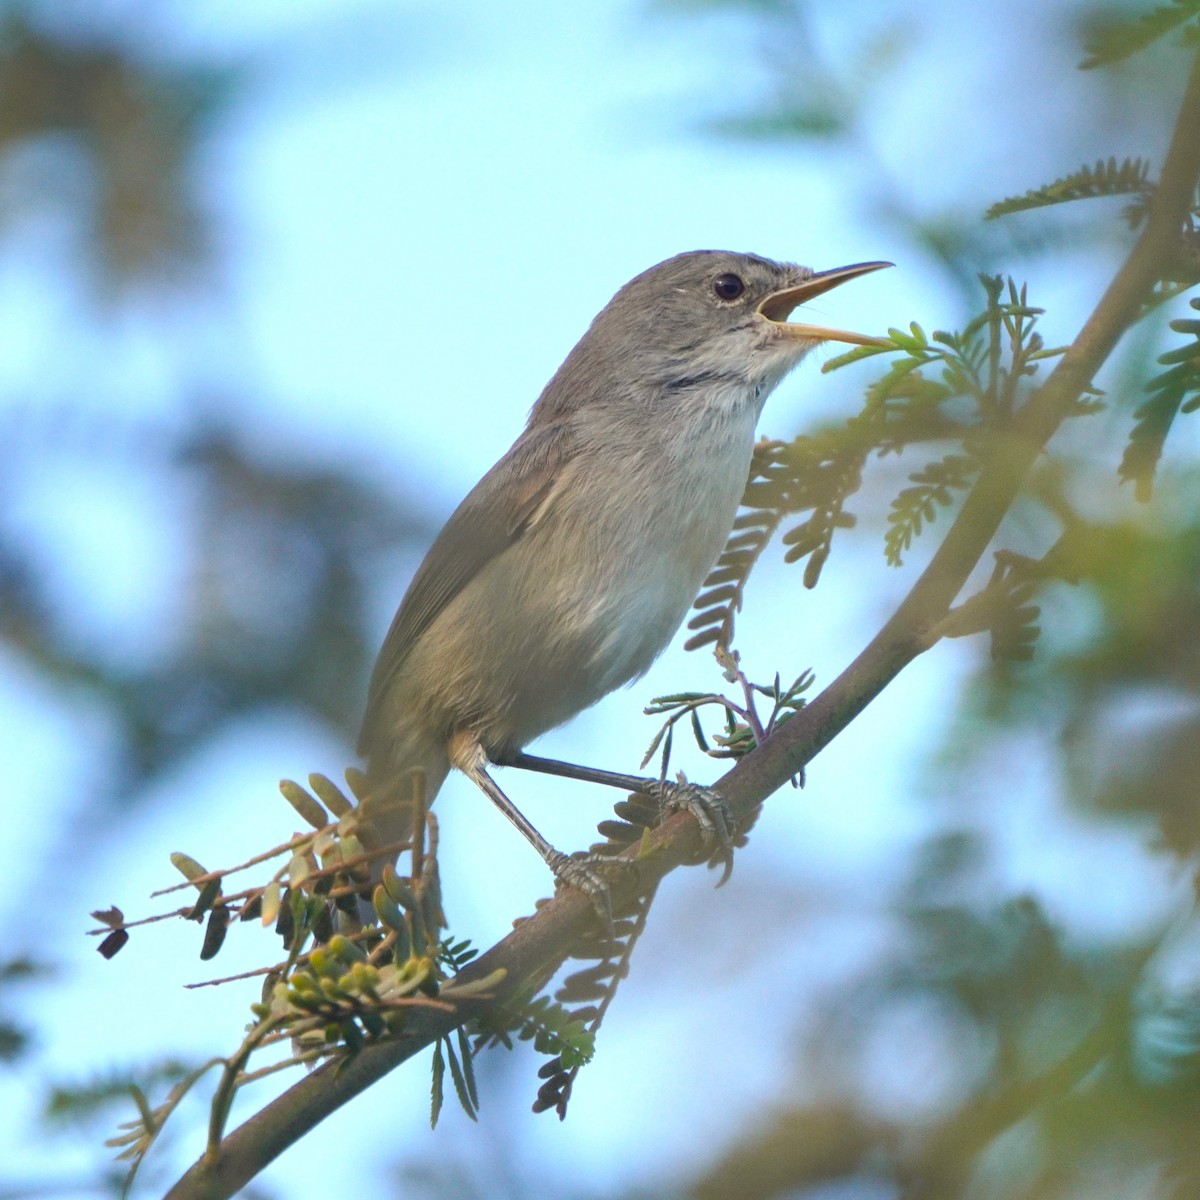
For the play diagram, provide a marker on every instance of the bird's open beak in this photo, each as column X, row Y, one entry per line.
column 778, row 306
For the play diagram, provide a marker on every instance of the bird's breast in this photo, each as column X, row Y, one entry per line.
column 668, row 508
column 597, row 584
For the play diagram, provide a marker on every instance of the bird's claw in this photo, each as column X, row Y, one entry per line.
column 712, row 814
column 581, row 871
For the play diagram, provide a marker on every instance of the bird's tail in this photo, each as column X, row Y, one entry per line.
column 400, row 783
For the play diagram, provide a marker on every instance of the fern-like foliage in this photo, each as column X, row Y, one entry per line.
column 743, row 726
column 916, row 506
column 1129, row 177
column 752, row 531
column 1175, row 390
column 462, row 1073
column 817, row 474
column 1004, row 608
column 566, row 1027
column 343, row 981
column 955, row 390
column 592, row 989
column 1120, row 39
column 1014, row 630
column 567, row 1034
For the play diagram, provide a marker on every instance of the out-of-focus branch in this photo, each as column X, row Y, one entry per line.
column 538, row 945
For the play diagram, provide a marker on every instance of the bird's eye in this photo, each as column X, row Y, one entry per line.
column 728, row 287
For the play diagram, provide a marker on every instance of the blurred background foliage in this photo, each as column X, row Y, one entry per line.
column 109, row 139
column 1054, row 1062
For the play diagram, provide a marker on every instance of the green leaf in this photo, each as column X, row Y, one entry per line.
column 1174, row 391
column 468, row 1066
column 305, row 805
column 1153, row 421
column 436, row 1093
column 330, row 794
column 856, row 355
column 1104, row 179
column 460, row 1083
column 917, row 506
column 187, row 865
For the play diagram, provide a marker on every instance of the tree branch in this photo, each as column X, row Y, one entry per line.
column 537, row 946
column 904, row 635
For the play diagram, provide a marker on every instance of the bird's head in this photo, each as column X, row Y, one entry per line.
column 707, row 318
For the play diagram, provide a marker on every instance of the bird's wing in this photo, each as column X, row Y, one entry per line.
column 494, row 515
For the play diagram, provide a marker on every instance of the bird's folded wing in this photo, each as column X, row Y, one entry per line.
column 494, row 515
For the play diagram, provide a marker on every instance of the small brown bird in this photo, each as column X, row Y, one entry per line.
column 570, row 565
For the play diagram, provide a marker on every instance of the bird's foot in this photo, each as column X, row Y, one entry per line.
column 712, row 814
column 590, row 873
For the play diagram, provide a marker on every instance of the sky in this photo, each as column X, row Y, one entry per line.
column 413, row 246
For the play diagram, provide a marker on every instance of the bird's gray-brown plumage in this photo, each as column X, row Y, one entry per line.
column 569, row 566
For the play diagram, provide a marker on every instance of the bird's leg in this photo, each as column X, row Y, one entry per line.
column 707, row 806
column 577, row 870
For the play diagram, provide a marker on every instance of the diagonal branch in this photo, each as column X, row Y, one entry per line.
column 905, row 634
column 537, row 946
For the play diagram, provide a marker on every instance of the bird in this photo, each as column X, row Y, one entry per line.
column 569, row 566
